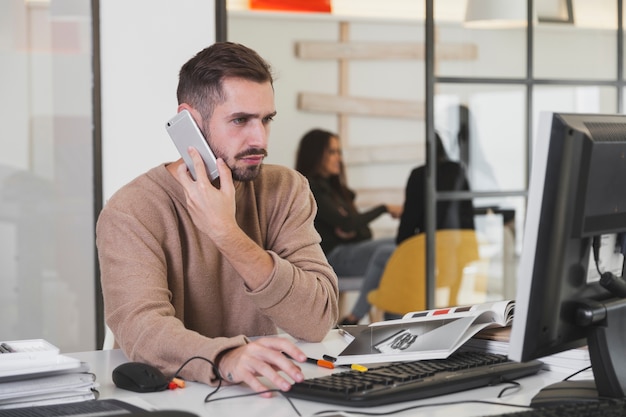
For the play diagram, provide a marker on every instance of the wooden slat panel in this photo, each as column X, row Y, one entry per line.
column 329, row 103
column 366, row 155
column 382, row 50
column 343, row 120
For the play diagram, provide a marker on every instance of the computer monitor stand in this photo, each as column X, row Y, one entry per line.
column 606, row 340
column 565, row 392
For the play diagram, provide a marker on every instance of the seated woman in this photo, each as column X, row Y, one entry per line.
column 346, row 236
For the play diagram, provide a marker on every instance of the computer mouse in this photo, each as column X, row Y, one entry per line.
column 139, row 377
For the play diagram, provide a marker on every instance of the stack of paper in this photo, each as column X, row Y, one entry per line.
column 32, row 372
column 567, row 361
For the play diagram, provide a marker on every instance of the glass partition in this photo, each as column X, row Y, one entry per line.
column 47, row 285
column 463, row 49
column 484, row 126
column 584, row 48
column 498, row 222
column 572, row 99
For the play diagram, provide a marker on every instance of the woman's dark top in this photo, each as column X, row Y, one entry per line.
column 455, row 214
column 334, row 211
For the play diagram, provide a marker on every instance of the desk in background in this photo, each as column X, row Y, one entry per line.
column 191, row 398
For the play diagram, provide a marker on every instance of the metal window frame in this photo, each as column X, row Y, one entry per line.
column 431, row 79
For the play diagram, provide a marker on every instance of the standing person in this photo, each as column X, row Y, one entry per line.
column 451, row 214
column 346, row 236
column 191, row 269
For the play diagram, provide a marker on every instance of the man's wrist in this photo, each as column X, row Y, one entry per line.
column 225, row 376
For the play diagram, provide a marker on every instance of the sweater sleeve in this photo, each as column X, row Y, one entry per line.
column 139, row 306
column 302, row 280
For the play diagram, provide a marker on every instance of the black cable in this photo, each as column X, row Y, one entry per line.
column 596, row 252
column 414, row 407
column 208, row 399
column 251, row 394
column 514, row 384
column 216, row 372
column 615, row 285
column 576, row 373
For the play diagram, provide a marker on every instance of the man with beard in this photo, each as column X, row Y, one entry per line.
column 191, row 268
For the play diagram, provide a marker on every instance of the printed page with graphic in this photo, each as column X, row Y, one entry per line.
column 431, row 334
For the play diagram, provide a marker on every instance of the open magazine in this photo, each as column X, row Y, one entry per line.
column 430, row 334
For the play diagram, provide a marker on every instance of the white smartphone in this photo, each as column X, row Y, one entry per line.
column 185, row 133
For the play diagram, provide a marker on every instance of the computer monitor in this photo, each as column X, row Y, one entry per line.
column 576, row 207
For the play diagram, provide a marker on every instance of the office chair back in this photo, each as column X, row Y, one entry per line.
column 109, row 339
column 402, row 287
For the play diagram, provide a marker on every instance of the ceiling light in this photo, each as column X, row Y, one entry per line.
column 490, row 14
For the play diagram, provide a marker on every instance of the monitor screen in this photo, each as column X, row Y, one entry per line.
column 570, row 287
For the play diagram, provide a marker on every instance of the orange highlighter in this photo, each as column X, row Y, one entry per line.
column 321, row 362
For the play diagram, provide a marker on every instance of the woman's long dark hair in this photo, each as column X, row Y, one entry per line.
column 309, row 159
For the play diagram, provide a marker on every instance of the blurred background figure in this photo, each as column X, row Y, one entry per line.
column 347, row 239
column 451, row 214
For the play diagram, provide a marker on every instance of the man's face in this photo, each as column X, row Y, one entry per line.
column 239, row 127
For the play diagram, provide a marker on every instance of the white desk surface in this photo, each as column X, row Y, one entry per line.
column 191, row 398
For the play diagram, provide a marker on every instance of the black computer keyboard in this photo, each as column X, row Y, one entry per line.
column 107, row 407
column 405, row 381
column 598, row 408
column 91, row 408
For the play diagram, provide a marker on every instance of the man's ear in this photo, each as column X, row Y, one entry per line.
column 194, row 113
column 184, row 106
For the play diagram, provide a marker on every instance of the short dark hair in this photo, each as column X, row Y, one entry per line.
column 201, row 78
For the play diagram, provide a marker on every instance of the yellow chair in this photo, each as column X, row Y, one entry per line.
column 402, row 287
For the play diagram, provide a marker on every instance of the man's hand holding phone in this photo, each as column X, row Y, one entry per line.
column 213, row 209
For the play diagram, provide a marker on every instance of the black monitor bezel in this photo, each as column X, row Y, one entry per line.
column 556, row 244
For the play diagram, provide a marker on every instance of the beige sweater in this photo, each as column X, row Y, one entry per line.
column 169, row 294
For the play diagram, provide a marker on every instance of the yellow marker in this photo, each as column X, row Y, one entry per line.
column 357, row 367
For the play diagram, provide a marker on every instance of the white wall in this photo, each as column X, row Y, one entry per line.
column 143, row 45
